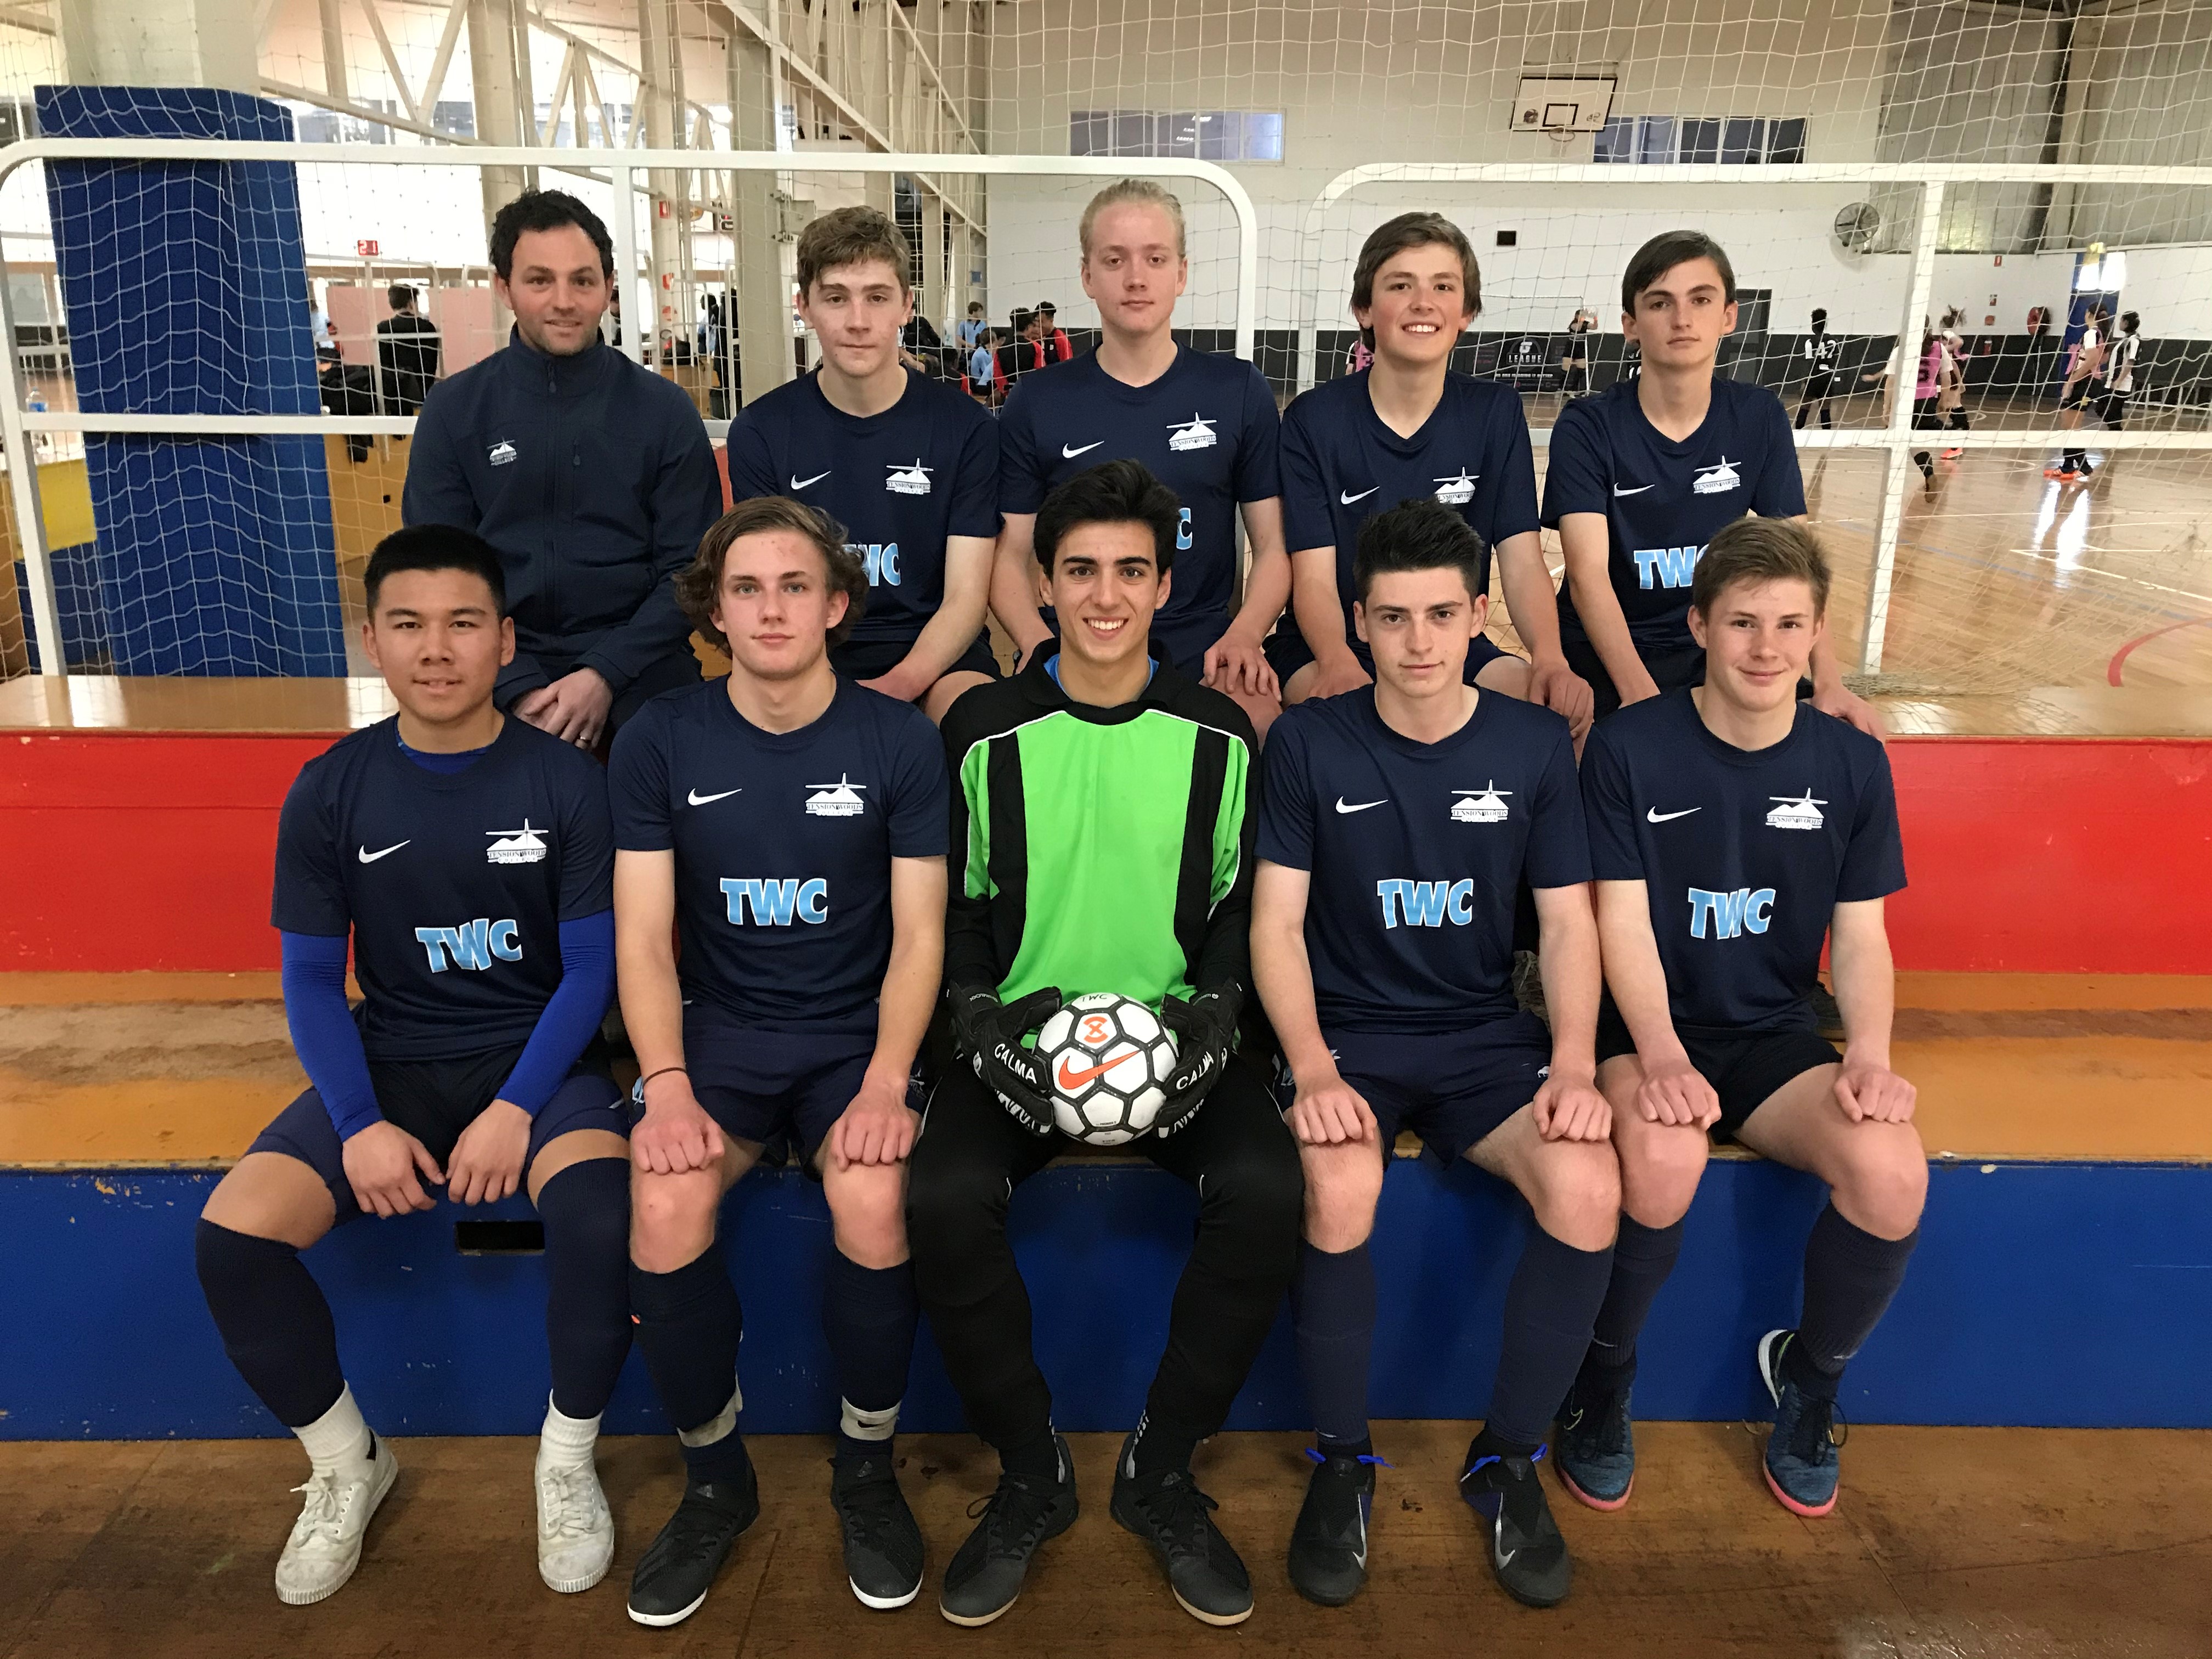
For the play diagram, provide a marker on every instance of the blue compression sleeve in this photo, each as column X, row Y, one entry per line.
column 323, row 1032
column 568, row 1021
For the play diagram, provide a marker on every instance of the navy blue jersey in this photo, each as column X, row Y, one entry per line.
column 900, row 482
column 1340, row 464
column 1416, row 851
column 1206, row 428
column 1746, row 853
column 454, row 886
column 783, row 844
column 1664, row 500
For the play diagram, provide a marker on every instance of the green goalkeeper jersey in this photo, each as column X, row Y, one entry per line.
column 1099, row 849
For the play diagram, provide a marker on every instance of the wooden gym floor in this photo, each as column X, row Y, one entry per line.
column 1948, row 1544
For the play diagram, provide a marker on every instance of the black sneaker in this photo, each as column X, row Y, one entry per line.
column 1328, row 1545
column 1597, row 1453
column 986, row 1571
column 678, row 1567
column 883, row 1543
column 1526, row 1551
column 1168, row 1512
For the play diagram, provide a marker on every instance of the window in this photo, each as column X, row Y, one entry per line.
column 1735, row 140
column 1204, row 135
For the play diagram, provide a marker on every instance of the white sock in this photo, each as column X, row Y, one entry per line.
column 339, row 1439
column 858, row 1425
column 566, row 1440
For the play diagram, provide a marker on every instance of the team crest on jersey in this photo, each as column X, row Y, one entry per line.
column 1456, row 491
column 1796, row 812
column 523, row 846
column 1483, row 805
column 1196, row 433
column 839, row 799
column 500, row 453
column 1715, row 480
column 910, row 480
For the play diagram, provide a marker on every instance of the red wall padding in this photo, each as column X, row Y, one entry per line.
column 2026, row 856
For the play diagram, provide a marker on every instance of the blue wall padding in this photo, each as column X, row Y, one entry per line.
column 184, row 284
column 2042, row 1293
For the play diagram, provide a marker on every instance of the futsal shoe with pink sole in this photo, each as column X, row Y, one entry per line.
column 1594, row 1445
column 1802, row 1462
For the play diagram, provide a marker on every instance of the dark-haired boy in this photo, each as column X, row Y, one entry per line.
column 1732, row 830
column 590, row 474
column 908, row 465
column 1103, row 843
column 787, row 826
column 1642, row 475
column 1399, row 821
column 466, row 858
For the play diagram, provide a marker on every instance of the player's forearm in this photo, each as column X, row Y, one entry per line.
column 1529, row 596
column 1865, row 977
column 908, row 999
column 1596, row 606
column 1013, row 582
column 1827, row 675
column 571, row 1017
column 1283, row 974
column 1568, row 960
column 1314, row 605
column 651, row 998
column 937, row 647
column 1632, row 970
column 1267, row 591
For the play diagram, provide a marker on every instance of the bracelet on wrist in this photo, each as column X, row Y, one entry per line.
column 663, row 1072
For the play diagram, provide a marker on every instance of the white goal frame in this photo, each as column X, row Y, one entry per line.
column 627, row 171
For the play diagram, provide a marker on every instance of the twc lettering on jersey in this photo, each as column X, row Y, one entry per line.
column 1671, row 566
column 882, row 559
column 473, row 945
column 1730, row 913
column 1425, row 903
column 774, row 902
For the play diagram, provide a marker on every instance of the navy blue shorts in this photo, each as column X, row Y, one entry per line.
column 1288, row 652
column 1451, row 1088
column 434, row 1100
column 764, row 1086
column 869, row 659
column 1744, row 1067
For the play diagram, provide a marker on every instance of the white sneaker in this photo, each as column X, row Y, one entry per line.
column 325, row 1547
column 575, row 1531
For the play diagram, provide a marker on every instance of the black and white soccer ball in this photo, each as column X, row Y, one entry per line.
column 1107, row 1059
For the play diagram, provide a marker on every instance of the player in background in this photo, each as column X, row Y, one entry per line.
column 1574, row 367
column 1731, row 830
column 2080, row 386
column 2119, row 371
column 1399, row 821
column 472, row 1063
column 1951, row 395
column 907, row 464
column 1058, row 348
column 788, row 826
column 1820, row 350
column 1410, row 427
column 1642, row 475
column 1204, row 425
column 973, row 327
column 591, row 474
column 1070, row 779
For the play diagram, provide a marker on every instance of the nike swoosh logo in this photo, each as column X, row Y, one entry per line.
column 1072, row 1080
column 368, row 857
column 1655, row 816
column 1068, row 454
column 801, row 484
column 698, row 799
column 1357, row 806
column 1345, row 500
column 1639, row 490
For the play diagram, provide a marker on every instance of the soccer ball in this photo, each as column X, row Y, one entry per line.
column 1107, row 1057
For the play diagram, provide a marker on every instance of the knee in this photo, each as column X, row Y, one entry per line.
column 1576, row 1196
column 1659, row 1174
column 867, row 1212
column 669, row 1214
column 1343, row 1185
column 1882, row 1187
column 586, row 1206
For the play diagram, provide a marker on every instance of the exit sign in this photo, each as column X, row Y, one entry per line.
column 366, row 247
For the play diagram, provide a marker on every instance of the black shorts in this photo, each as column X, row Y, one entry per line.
column 868, row 659
column 1819, row 387
column 766, row 1086
column 1671, row 668
column 1288, row 652
column 2112, row 408
column 1451, row 1088
column 2080, row 394
column 1744, row 1067
column 434, row 1100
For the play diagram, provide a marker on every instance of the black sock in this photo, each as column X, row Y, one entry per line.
column 1332, row 1313
column 1488, row 1443
column 869, row 1315
column 1851, row 1277
column 688, row 1323
column 1161, row 1447
column 275, row 1324
column 2074, row 460
column 1550, row 1307
column 1643, row 1257
column 1039, row 1458
column 586, row 1209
